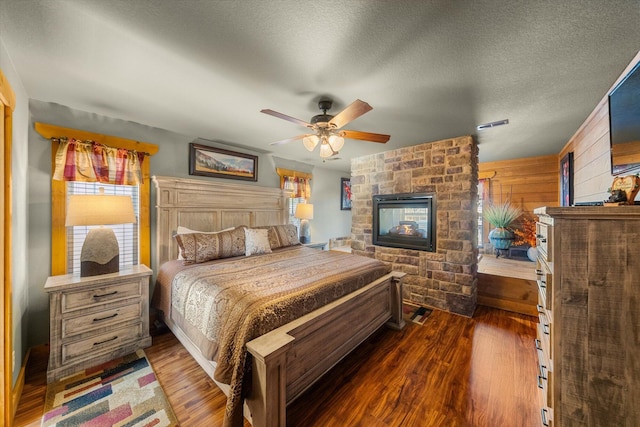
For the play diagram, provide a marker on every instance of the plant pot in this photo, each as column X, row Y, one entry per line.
column 532, row 253
column 501, row 238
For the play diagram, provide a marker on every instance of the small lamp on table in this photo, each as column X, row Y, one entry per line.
column 304, row 211
column 100, row 252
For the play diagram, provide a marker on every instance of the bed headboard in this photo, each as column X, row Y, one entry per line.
column 211, row 206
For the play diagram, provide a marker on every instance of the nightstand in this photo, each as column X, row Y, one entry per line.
column 96, row 319
column 315, row 245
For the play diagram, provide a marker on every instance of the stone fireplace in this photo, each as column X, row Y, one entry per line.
column 446, row 277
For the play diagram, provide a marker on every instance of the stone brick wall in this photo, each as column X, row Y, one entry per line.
column 445, row 279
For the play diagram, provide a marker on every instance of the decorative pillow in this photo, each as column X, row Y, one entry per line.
column 256, row 242
column 281, row 236
column 185, row 230
column 201, row 247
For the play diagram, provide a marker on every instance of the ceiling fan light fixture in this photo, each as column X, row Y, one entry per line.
column 336, row 142
column 310, row 142
column 325, row 150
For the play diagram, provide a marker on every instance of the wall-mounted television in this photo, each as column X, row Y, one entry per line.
column 624, row 122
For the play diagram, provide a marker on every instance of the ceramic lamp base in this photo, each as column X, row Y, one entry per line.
column 100, row 253
column 305, row 236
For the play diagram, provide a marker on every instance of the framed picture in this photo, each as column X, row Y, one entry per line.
column 345, row 194
column 566, row 180
column 219, row 163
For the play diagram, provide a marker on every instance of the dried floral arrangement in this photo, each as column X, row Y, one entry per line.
column 526, row 234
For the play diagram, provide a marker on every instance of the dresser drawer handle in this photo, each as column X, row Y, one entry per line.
column 538, row 345
column 540, row 308
column 540, row 383
column 105, row 341
column 539, row 272
column 543, row 416
column 543, row 375
column 543, row 284
column 545, row 328
column 100, row 319
column 105, row 295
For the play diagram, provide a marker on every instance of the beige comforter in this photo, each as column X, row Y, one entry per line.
column 223, row 305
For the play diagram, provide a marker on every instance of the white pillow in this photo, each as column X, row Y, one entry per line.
column 185, row 230
column 256, row 241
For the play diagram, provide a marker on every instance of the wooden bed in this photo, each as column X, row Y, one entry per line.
column 289, row 359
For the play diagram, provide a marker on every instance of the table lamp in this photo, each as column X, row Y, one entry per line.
column 100, row 252
column 304, row 211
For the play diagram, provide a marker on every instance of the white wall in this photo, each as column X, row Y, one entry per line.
column 19, row 268
column 328, row 220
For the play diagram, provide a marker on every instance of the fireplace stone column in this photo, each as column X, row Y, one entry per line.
column 447, row 278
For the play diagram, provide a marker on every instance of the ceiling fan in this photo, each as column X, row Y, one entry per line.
column 327, row 128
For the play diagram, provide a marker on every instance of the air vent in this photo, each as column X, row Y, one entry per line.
column 493, row 124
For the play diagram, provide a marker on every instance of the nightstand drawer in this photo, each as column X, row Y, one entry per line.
column 100, row 319
column 100, row 343
column 104, row 294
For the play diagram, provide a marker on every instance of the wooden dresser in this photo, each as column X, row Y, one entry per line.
column 588, row 339
column 96, row 319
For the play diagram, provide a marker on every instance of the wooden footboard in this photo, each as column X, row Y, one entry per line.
column 288, row 360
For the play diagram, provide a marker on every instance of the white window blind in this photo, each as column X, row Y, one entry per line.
column 127, row 234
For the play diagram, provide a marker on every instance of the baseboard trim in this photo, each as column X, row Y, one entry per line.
column 16, row 392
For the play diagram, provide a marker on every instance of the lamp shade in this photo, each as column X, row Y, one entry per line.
column 336, row 142
column 325, row 150
column 304, row 211
column 99, row 209
column 310, row 142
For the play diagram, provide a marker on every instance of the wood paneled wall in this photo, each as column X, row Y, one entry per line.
column 591, row 151
column 532, row 182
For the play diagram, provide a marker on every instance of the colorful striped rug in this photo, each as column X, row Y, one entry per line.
column 415, row 313
column 123, row 392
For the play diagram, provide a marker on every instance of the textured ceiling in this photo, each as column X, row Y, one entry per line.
column 429, row 69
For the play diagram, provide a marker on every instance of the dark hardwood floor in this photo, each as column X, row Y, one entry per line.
column 453, row 371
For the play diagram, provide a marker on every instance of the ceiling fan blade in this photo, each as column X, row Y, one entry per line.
column 365, row 136
column 288, row 140
column 285, row 117
column 352, row 112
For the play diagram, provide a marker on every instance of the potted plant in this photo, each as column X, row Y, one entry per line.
column 501, row 216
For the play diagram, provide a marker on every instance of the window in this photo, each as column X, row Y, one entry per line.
column 59, row 262
column 127, row 234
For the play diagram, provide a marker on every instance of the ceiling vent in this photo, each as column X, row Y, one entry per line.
column 493, row 124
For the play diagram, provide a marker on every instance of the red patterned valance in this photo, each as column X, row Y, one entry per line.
column 88, row 161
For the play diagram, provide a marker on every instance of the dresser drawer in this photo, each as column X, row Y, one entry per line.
column 543, row 343
column 100, row 319
column 545, row 284
column 543, row 241
column 100, row 295
column 100, row 343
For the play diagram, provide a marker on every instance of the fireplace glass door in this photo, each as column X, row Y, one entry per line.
column 404, row 221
